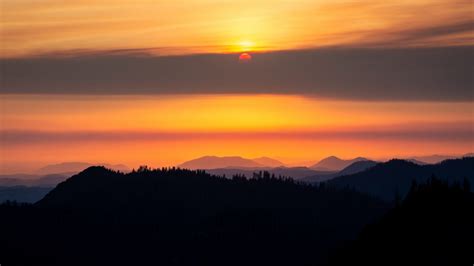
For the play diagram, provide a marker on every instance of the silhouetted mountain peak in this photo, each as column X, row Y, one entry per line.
column 356, row 167
column 333, row 163
column 75, row 167
column 384, row 180
column 399, row 162
column 94, row 170
column 214, row 162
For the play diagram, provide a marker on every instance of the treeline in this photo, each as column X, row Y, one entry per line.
column 433, row 225
column 174, row 216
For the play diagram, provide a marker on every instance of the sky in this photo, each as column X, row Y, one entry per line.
column 160, row 82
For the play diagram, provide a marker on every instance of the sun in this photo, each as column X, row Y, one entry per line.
column 245, row 58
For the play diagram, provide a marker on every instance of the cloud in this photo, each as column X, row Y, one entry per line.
column 421, row 132
column 431, row 74
column 455, row 32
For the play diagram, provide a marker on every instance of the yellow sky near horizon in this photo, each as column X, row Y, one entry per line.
column 31, row 27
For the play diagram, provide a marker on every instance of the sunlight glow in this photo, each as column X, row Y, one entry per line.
column 246, row 46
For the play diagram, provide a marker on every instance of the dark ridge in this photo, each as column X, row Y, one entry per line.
column 432, row 226
column 386, row 180
column 182, row 217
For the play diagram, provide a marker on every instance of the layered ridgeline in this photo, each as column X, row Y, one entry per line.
column 182, row 217
column 333, row 163
column 325, row 169
column 392, row 179
column 31, row 187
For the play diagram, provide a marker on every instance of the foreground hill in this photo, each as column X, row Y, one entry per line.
column 393, row 178
column 182, row 217
column 432, row 226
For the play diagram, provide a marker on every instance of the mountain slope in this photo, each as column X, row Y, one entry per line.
column 351, row 169
column 212, row 162
column 182, row 217
column 334, row 163
column 386, row 180
column 430, row 227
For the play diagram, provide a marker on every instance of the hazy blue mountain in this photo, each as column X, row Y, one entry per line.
column 23, row 194
column 213, row 162
column 386, row 180
column 436, row 158
column 50, row 180
column 334, row 163
column 356, row 167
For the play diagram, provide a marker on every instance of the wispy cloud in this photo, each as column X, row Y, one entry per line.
column 207, row 26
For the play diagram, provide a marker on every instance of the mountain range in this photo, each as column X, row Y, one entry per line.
column 333, row 163
column 393, row 179
column 174, row 216
column 214, row 162
column 235, row 165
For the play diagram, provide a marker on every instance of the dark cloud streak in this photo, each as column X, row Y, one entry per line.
column 432, row 74
column 26, row 137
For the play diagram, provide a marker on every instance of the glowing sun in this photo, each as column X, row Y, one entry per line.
column 245, row 58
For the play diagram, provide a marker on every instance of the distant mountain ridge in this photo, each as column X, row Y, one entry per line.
column 49, row 180
column 269, row 162
column 333, row 163
column 386, row 180
column 214, row 162
column 355, row 167
column 437, row 158
column 22, row 193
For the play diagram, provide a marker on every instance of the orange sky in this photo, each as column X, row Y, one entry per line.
column 167, row 130
column 209, row 26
